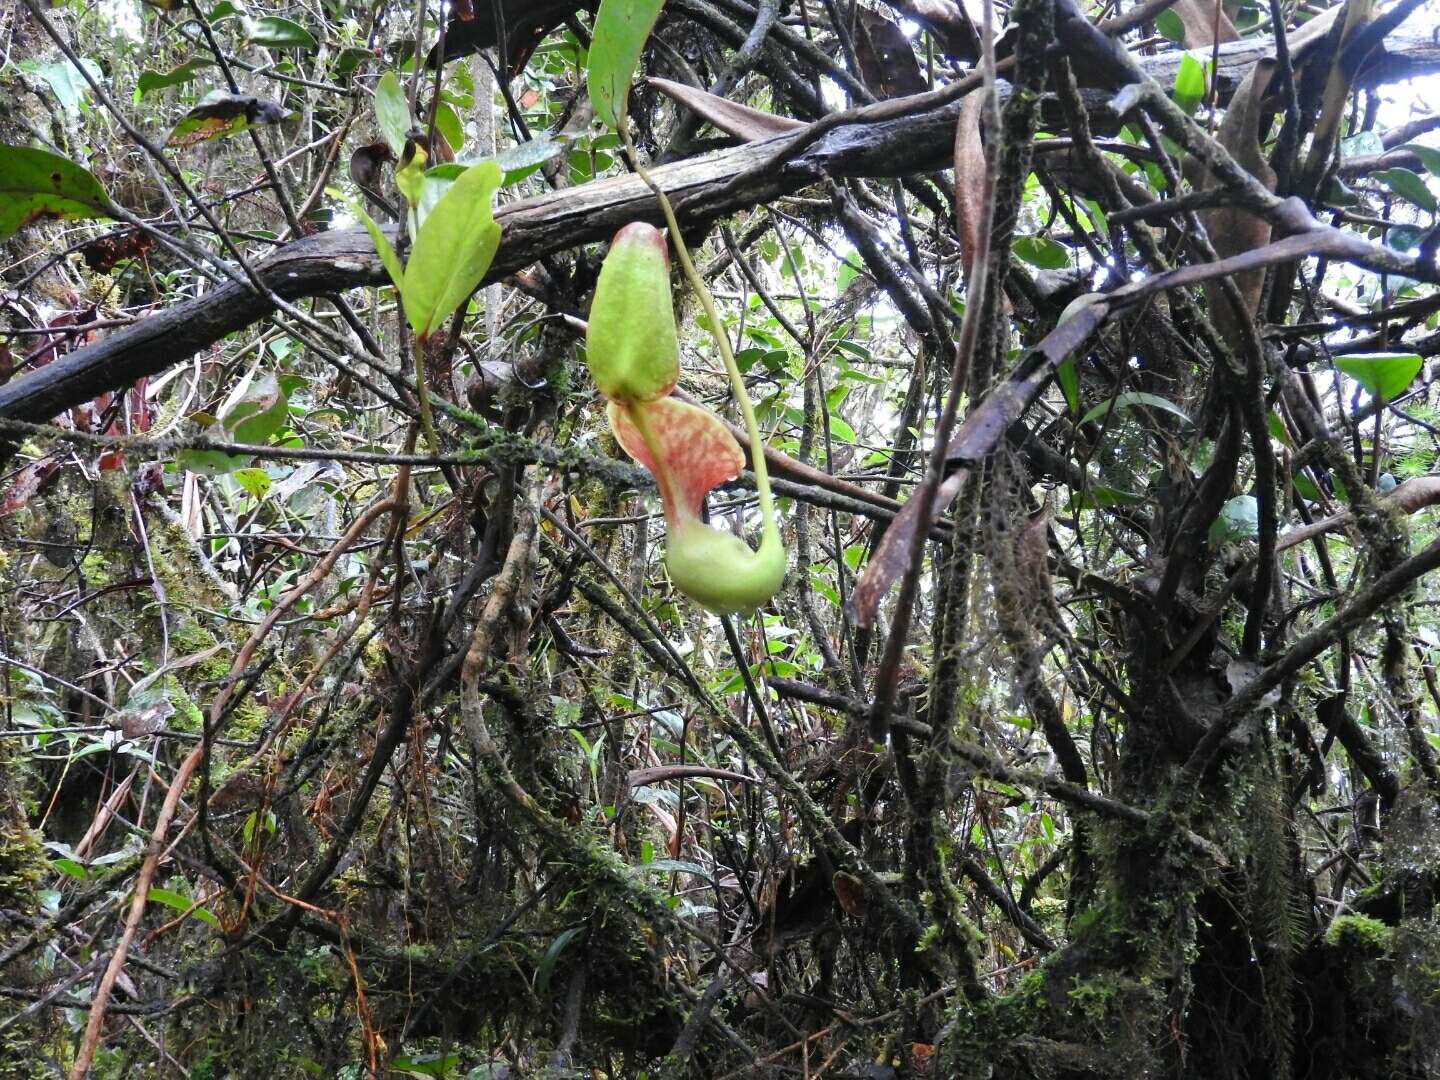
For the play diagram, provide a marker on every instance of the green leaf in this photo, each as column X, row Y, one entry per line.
column 1189, row 83
column 1069, row 381
column 350, row 58
column 255, row 481
column 260, row 414
column 1129, row 401
column 621, row 28
column 552, row 956
column 522, row 159
column 1409, row 186
column 180, row 902
column 36, row 184
column 453, row 249
column 392, row 113
column 1170, row 26
column 150, row 81
column 1366, row 144
column 1043, row 252
column 254, row 419
column 448, row 125
column 1404, row 237
column 70, row 868
column 1385, row 375
column 1429, row 157
column 66, row 81
column 1239, row 520
column 391, row 260
column 1306, row 487
column 1102, row 497
column 427, row 1065
column 273, row 32
column 1277, row 430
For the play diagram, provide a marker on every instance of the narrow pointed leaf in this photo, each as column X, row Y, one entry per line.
column 392, row 112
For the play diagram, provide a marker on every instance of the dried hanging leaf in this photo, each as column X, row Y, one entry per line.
column 1231, row 229
column 950, row 24
column 731, row 117
column 850, row 891
column 886, row 57
column 970, row 177
column 1201, row 20
column 102, row 253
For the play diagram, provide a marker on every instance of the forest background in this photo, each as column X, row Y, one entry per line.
column 354, row 726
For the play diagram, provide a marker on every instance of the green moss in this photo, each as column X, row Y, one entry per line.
column 1094, row 997
column 1360, row 933
column 22, row 861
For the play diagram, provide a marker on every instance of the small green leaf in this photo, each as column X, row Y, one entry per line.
column 1189, row 83
column 273, row 32
column 621, row 29
column 1306, row 487
column 1365, row 144
column 150, row 81
column 180, row 902
column 522, row 159
column 453, row 249
column 1129, row 401
column 448, row 125
column 254, row 419
column 1385, row 375
column 1239, row 520
column 1170, row 26
column 1043, row 252
column 1069, row 381
column 66, row 80
column 255, row 481
column 1102, row 497
column 391, row 260
column 36, row 184
column 351, row 58
column 1404, row 237
column 1277, row 430
column 443, row 1065
column 1409, row 186
column 1429, row 157
column 410, row 176
column 552, row 956
column 392, row 113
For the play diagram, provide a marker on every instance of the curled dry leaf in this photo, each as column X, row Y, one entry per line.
column 1231, row 229
column 1205, row 23
column 731, row 117
column 850, row 891
column 886, row 57
column 969, row 177
column 220, row 114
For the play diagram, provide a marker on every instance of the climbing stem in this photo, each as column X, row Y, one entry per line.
column 717, row 330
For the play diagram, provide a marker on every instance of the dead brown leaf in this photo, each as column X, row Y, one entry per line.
column 969, row 177
column 731, row 117
column 886, row 57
